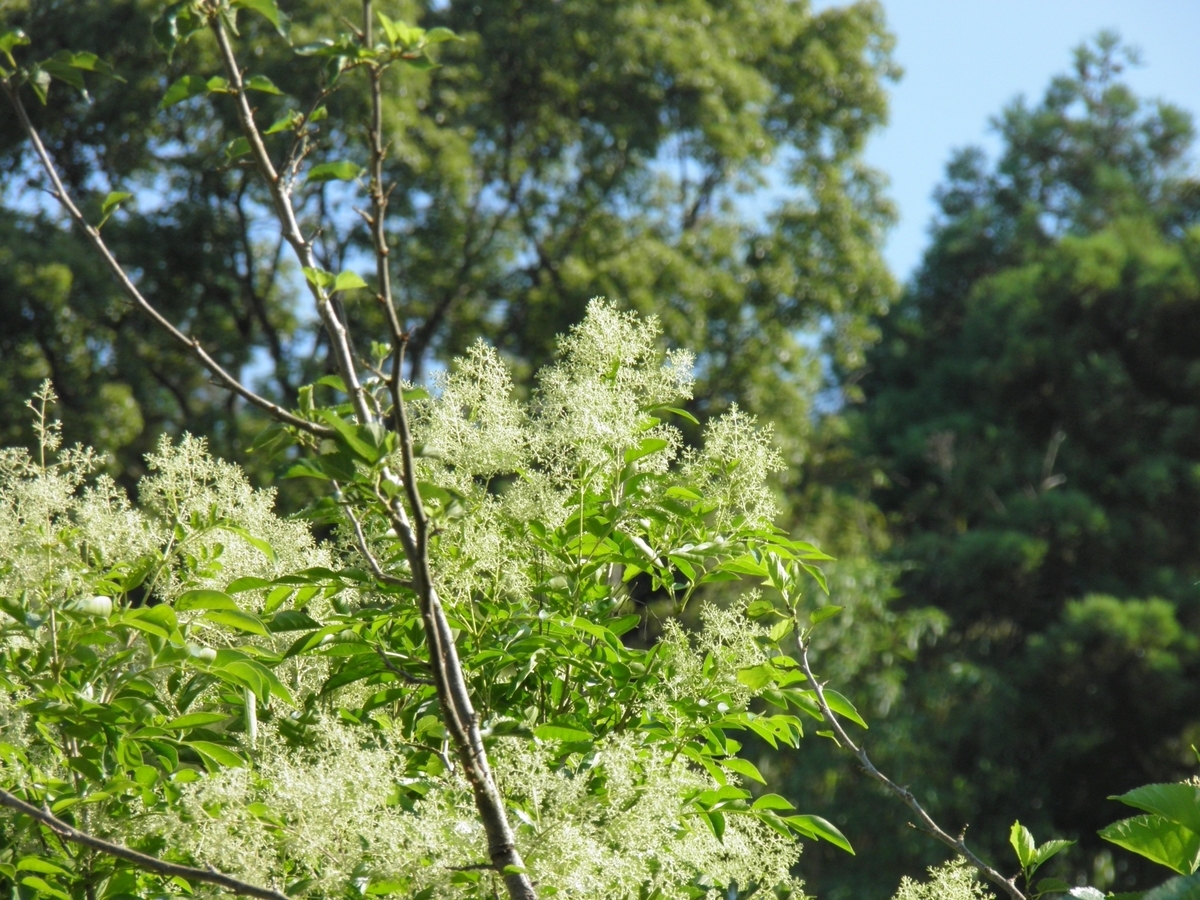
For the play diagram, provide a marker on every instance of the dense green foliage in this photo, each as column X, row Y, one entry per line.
column 1032, row 408
column 1029, row 438
column 195, row 677
column 564, row 150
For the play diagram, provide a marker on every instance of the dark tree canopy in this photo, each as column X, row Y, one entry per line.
column 1032, row 412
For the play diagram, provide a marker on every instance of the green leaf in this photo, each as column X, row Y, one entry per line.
column 560, row 733
column 247, row 583
column 242, row 621
column 818, row 827
column 842, row 706
column 195, row 720
column 817, row 616
column 237, row 147
column 318, row 278
column 262, row 546
column 1023, row 843
column 291, row 620
column 268, row 10
column 343, row 170
column 222, row 757
column 348, row 281
column 14, row 37
column 43, row 887
column 743, row 767
column 350, row 434
column 1178, row 803
column 184, row 89
column 770, row 801
column 288, row 122
column 756, row 677
column 263, row 84
column 1050, row 849
column 441, row 35
column 38, row 864
column 389, row 29
column 817, row 575
column 190, row 600
column 113, row 200
column 1185, row 888
column 645, row 448
column 1157, row 839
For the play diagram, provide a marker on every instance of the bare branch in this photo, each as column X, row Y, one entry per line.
column 142, row 860
column 286, row 213
column 192, row 345
column 957, row 844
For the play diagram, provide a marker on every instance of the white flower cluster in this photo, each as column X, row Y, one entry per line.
column 953, row 880
column 328, row 813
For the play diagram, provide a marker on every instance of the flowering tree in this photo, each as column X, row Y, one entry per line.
column 458, row 693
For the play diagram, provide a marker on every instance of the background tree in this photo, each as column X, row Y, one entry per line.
column 701, row 161
column 1031, row 410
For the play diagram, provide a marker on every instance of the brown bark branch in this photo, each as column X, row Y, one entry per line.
column 142, row 860
column 449, row 678
column 957, row 844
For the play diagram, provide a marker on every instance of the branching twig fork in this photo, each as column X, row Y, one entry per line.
column 142, row 860
column 927, row 824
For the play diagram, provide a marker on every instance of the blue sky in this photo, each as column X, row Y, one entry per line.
column 965, row 59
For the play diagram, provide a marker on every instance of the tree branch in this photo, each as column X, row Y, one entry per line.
column 958, row 845
column 144, row 861
column 192, row 345
column 286, row 213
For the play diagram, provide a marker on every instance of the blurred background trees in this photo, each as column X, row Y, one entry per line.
column 1031, row 420
column 1007, row 463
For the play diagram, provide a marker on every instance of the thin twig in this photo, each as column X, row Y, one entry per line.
column 360, row 540
column 150, row 863
column 928, row 825
column 285, row 212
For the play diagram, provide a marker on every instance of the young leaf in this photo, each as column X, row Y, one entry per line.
column 111, row 202
column 318, row 278
column 1023, row 843
column 344, row 170
column 263, row 84
column 348, row 281
column 817, row 616
column 818, row 827
column 440, row 36
column 184, row 89
column 268, row 10
column 1049, row 850
column 13, row 38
